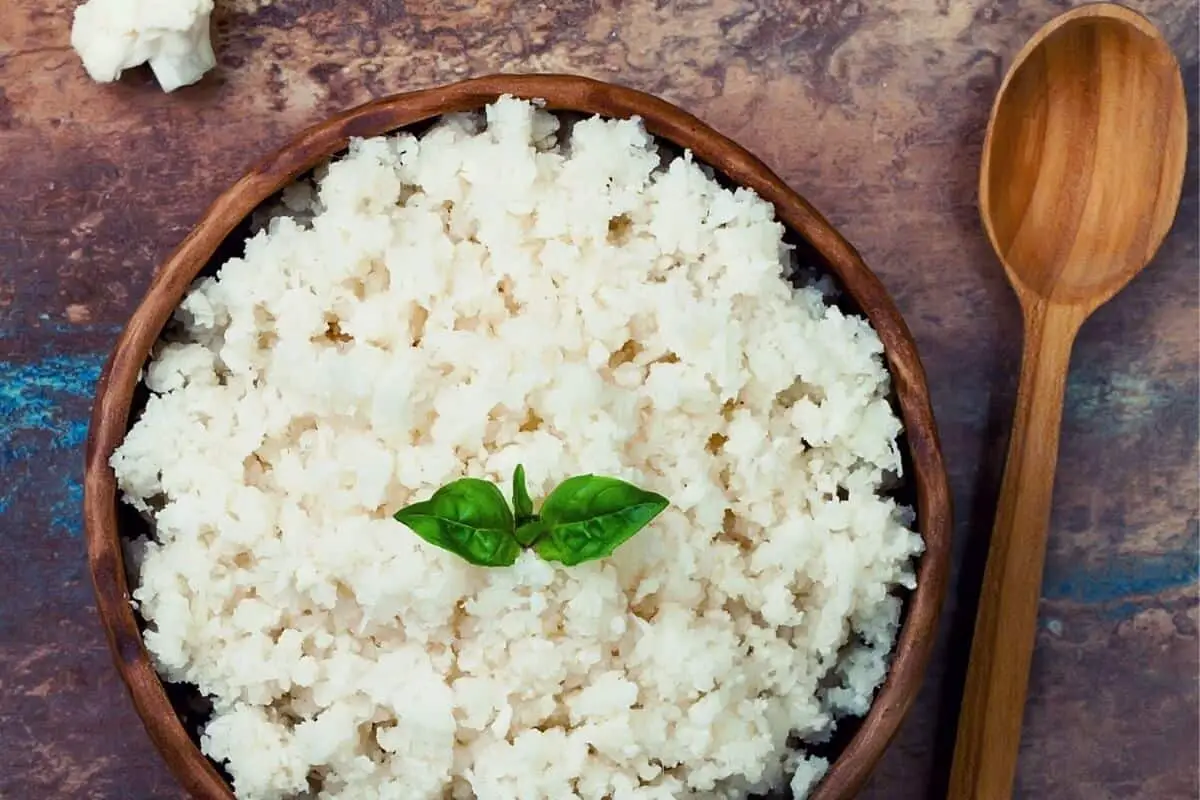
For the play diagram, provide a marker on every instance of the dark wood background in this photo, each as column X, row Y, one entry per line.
column 873, row 109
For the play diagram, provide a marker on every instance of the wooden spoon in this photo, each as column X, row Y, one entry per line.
column 1081, row 176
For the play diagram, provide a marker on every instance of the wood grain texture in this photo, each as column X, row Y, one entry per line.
column 874, row 111
column 1080, row 179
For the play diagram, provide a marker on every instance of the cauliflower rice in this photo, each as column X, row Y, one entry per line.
column 502, row 291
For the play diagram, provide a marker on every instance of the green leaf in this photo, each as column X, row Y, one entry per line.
column 522, row 504
column 529, row 533
column 588, row 517
column 469, row 518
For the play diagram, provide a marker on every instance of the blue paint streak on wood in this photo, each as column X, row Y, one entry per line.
column 1125, row 576
column 44, row 407
column 46, row 331
column 1123, row 399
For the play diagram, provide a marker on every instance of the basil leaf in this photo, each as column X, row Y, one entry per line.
column 469, row 518
column 588, row 517
column 522, row 504
column 529, row 533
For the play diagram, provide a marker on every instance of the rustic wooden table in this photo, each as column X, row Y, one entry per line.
column 874, row 109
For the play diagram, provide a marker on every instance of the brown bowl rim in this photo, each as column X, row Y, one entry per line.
column 114, row 392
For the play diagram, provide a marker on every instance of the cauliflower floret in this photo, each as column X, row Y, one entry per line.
column 172, row 35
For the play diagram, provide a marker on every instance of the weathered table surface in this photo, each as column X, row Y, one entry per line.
column 874, row 109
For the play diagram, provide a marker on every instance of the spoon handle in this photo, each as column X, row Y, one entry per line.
column 989, row 725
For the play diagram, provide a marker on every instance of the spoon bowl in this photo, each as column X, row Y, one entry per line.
column 1083, row 165
column 1081, row 177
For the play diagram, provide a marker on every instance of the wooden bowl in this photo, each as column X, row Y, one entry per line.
column 862, row 747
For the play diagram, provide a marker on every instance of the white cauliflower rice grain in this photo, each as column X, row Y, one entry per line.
column 499, row 291
column 172, row 36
